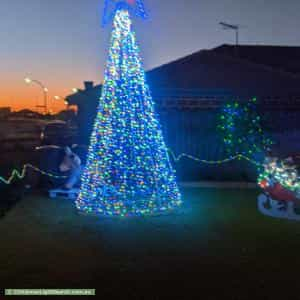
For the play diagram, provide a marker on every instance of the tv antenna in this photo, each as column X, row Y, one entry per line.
column 236, row 28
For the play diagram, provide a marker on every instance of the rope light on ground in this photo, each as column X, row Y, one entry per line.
column 16, row 174
column 214, row 162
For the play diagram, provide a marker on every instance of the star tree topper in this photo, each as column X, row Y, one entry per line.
column 136, row 7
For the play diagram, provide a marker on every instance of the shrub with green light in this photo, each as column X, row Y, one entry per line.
column 240, row 129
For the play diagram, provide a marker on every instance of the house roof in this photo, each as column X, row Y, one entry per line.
column 211, row 69
column 257, row 70
column 285, row 58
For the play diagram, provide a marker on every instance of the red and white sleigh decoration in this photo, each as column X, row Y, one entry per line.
column 277, row 202
column 281, row 186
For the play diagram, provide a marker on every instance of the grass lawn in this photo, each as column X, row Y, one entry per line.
column 218, row 247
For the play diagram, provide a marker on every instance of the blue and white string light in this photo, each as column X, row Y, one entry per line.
column 134, row 7
column 127, row 153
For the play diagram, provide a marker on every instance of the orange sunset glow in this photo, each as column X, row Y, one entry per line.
column 39, row 41
column 17, row 94
column 61, row 43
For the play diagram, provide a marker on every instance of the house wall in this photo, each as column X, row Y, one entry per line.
column 193, row 132
column 189, row 126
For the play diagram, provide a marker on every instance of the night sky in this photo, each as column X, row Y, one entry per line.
column 62, row 43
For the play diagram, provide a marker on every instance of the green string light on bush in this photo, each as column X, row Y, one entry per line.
column 240, row 129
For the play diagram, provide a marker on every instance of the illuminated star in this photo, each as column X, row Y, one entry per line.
column 136, row 7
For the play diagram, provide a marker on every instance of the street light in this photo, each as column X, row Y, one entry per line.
column 61, row 98
column 27, row 80
column 45, row 91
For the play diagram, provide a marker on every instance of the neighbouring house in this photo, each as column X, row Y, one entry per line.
column 86, row 101
column 189, row 91
column 4, row 112
column 26, row 113
column 20, row 134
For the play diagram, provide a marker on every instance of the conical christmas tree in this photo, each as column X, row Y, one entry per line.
column 128, row 171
